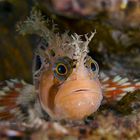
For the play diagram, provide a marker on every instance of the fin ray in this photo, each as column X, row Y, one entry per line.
column 115, row 88
column 9, row 92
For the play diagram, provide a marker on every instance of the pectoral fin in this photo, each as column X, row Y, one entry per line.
column 115, row 88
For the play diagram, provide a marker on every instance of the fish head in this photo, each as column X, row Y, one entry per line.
column 68, row 84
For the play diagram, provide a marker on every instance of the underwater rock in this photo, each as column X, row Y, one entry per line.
column 105, row 125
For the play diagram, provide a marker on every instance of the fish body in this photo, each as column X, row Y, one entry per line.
column 66, row 82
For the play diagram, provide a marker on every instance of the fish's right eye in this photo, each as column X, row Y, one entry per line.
column 62, row 68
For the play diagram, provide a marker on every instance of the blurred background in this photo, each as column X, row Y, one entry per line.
column 116, row 45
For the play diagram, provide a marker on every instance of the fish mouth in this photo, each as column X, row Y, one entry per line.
column 77, row 104
column 82, row 91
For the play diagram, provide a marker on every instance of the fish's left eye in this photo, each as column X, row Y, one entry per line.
column 93, row 66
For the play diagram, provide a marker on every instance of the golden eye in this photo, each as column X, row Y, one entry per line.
column 61, row 69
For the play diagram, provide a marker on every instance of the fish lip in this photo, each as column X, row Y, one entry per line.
column 82, row 91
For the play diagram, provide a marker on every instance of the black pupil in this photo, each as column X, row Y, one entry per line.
column 61, row 69
column 93, row 67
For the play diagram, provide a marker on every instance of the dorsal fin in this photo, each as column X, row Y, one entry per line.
column 115, row 88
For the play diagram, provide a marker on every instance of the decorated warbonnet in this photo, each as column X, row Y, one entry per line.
column 65, row 77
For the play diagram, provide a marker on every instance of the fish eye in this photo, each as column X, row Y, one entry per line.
column 61, row 69
column 93, row 66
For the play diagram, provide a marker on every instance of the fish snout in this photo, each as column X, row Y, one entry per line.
column 77, row 99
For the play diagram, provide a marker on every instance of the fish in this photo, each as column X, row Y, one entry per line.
column 67, row 84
